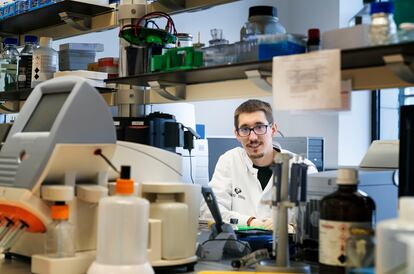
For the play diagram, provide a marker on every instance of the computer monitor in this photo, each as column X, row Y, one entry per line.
column 65, row 110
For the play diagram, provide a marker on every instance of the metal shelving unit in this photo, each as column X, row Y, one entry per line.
column 368, row 68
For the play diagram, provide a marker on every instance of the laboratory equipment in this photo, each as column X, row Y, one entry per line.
column 406, row 156
column 26, row 61
column 363, row 15
column 390, row 252
column 283, row 198
column 52, row 143
column 340, row 211
column 383, row 29
column 222, row 242
column 381, row 154
column 45, row 62
column 183, row 201
column 122, row 231
column 360, row 251
column 77, row 56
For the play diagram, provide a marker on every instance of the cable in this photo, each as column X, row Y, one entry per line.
column 191, row 167
column 151, row 156
column 281, row 134
column 99, row 153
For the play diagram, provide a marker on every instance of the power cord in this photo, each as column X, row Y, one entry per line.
column 191, row 167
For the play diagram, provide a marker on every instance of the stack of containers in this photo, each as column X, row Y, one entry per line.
column 77, row 56
column 109, row 65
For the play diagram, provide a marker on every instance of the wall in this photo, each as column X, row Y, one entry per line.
column 297, row 16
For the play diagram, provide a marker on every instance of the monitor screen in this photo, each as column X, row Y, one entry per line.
column 45, row 112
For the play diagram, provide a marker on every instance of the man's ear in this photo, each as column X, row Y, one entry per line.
column 274, row 129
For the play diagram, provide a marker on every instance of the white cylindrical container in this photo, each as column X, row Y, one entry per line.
column 174, row 221
column 45, row 62
column 122, row 233
column 391, row 253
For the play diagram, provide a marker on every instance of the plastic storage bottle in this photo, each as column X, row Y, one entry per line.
column 383, row 29
column 122, row 231
column 45, row 61
column 11, row 58
column 344, row 209
column 174, row 217
column 26, row 60
column 391, row 252
column 262, row 20
column 60, row 236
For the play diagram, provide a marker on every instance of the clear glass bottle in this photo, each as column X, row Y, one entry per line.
column 363, row 16
column 340, row 211
column 262, row 20
column 26, row 60
column 11, row 59
column 45, row 62
column 60, row 236
column 383, row 29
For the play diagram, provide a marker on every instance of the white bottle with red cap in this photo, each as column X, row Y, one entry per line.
column 122, row 231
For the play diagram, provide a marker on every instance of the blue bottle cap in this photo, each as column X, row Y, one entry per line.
column 10, row 41
column 30, row 39
column 382, row 7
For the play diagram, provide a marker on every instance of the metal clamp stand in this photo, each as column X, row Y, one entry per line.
column 401, row 65
column 258, row 78
column 69, row 18
column 178, row 92
column 281, row 203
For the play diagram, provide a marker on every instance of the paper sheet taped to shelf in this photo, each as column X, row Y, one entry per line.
column 307, row 81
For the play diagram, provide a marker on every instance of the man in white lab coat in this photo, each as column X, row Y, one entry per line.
column 242, row 178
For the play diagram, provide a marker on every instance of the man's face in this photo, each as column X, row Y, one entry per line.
column 256, row 145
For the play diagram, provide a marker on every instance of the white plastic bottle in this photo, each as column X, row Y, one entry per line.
column 391, row 252
column 172, row 214
column 45, row 62
column 60, row 236
column 122, row 231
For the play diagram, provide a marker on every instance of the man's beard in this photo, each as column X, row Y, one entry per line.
column 255, row 155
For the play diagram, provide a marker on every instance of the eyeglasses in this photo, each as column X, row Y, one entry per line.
column 258, row 130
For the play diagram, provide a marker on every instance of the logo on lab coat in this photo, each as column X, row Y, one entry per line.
column 237, row 194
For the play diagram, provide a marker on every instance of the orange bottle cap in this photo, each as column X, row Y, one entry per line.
column 60, row 212
column 124, row 186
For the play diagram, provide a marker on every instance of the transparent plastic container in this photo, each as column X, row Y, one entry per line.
column 60, row 235
column 26, row 60
column 383, row 29
column 45, row 62
column 262, row 20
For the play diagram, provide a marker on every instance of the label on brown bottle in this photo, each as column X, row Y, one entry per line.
column 332, row 240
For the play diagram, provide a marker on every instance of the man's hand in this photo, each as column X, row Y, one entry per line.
column 266, row 223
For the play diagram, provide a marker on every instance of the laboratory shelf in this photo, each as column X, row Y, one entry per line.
column 356, row 64
column 48, row 16
column 22, row 94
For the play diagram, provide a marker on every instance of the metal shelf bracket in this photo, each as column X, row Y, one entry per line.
column 70, row 17
column 401, row 65
column 170, row 91
column 259, row 79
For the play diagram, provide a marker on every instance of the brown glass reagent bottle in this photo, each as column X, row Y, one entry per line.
column 341, row 210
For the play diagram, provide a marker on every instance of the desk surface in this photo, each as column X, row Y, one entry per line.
column 20, row 267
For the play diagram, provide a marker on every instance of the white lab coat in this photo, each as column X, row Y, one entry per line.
column 237, row 189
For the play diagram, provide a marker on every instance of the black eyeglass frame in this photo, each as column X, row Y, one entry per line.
column 253, row 129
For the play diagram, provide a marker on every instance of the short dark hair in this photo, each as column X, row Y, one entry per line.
column 253, row 105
